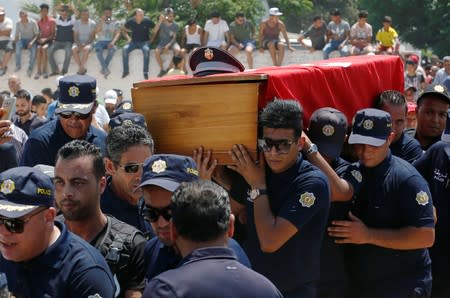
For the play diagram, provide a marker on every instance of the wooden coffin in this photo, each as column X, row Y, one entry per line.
column 214, row 112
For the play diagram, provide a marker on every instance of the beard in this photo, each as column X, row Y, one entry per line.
column 23, row 113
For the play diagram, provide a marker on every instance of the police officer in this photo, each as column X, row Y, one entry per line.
column 127, row 147
column 391, row 222
column 162, row 174
column 288, row 204
column 79, row 181
column 432, row 106
column 75, row 110
column 403, row 145
column 39, row 255
column 201, row 224
column 435, row 168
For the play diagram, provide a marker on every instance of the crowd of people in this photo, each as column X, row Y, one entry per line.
column 87, row 209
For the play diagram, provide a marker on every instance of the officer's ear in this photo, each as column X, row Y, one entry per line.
column 231, row 226
column 301, row 143
column 102, row 184
column 390, row 138
column 109, row 166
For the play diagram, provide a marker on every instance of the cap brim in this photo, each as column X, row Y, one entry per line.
column 360, row 139
column 12, row 210
column 111, row 101
column 79, row 108
column 443, row 96
column 169, row 185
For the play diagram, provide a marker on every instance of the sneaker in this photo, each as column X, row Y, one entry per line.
column 54, row 73
column 37, row 75
column 29, row 73
column 162, row 73
column 146, row 75
column 125, row 74
column 106, row 73
column 45, row 75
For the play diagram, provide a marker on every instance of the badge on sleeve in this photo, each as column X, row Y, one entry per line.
column 422, row 198
column 357, row 175
column 307, row 199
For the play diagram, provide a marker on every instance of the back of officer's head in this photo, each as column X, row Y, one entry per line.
column 81, row 148
column 200, row 211
column 283, row 113
column 121, row 138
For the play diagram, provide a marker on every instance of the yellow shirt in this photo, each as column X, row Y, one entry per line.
column 387, row 38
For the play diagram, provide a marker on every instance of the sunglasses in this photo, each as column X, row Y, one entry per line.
column 152, row 214
column 281, row 146
column 131, row 168
column 17, row 225
column 67, row 115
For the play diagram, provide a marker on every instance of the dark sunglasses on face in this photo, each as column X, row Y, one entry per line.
column 67, row 115
column 17, row 225
column 152, row 214
column 281, row 146
column 131, row 168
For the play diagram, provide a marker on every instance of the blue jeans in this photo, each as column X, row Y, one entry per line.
column 23, row 44
column 100, row 46
column 333, row 46
column 133, row 45
column 57, row 45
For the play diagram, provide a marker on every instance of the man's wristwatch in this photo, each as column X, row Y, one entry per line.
column 254, row 193
column 312, row 149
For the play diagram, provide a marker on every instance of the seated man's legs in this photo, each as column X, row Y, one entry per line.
column 76, row 56
column 85, row 55
column 145, row 47
column 111, row 50
column 249, row 48
column 32, row 59
column 5, row 45
column 271, row 46
column 330, row 47
column 100, row 46
column 20, row 44
column 51, row 57
column 126, row 50
column 67, row 55
column 343, row 51
column 280, row 48
column 158, row 58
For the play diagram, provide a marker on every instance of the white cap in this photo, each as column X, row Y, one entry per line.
column 57, row 80
column 274, row 11
column 110, row 97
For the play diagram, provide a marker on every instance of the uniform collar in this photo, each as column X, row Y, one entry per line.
column 292, row 171
column 381, row 168
column 216, row 252
column 54, row 255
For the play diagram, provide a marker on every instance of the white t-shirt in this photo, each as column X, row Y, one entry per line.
column 101, row 115
column 216, row 32
column 361, row 32
column 5, row 25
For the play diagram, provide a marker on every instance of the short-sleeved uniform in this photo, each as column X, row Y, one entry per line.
column 140, row 32
column 300, row 195
column 111, row 204
column 70, row 267
column 45, row 141
column 160, row 258
column 435, row 168
column 406, row 148
column 393, row 196
column 211, row 272
column 334, row 276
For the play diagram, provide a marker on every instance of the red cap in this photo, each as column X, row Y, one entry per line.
column 413, row 58
column 411, row 107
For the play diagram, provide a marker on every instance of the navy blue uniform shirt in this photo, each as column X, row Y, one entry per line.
column 301, row 196
column 160, row 258
column 406, row 148
column 45, row 141
column 111, row 204
column 393, row 196
column 435, row 168
column 70, row 267
column 211, row 272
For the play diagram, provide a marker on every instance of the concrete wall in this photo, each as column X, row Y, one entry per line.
column 136, row 69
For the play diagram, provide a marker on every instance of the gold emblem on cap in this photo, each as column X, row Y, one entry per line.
column 127, row 122
column 73, row 91
column 439, row 88
column 357, row 175
column 126, row 106
column 328, row 130
column 368, row 124
column 422, row 198
column 307, row 199
column 159, row 166
column 209, row 54
column 192, row 171
column 7, row 187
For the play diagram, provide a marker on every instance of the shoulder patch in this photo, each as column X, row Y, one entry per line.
column 307, row 199
column 422, row 198
column 357, row 175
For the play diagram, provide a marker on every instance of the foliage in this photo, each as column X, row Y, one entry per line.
column 424, row 24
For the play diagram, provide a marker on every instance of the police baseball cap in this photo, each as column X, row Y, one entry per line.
column 23, row 190
column 370, row 127
column 46, row 169
column 436, row 90
column 446, row 134
column 327, row 129
column 210, row 60
column 125, row 106
column 77, row 94
column 110, row 97
column 168, row 171
column 127, row 119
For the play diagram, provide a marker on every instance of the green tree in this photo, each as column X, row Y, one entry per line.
column 424, row 24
